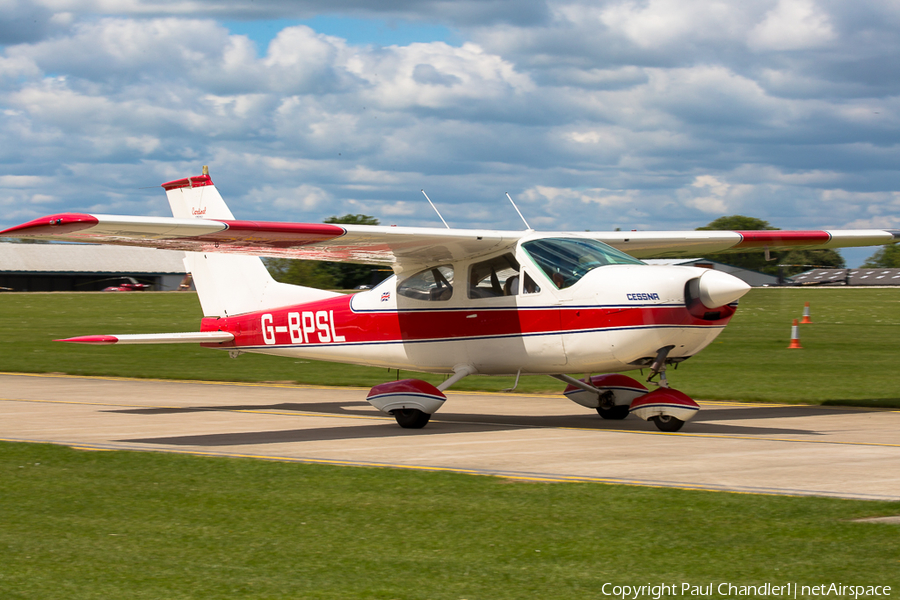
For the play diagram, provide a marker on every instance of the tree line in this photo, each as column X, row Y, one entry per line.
column 328, row 275
column 886, row 257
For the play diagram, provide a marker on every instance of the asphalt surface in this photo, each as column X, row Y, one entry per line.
column 777, row 449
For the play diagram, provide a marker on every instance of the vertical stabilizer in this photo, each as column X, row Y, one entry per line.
column 228, row 284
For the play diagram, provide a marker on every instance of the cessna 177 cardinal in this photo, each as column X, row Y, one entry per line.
column 460, row 302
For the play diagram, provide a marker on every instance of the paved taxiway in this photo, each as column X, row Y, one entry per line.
column 852, row 453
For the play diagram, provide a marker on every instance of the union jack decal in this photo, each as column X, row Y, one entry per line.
column 385, row 296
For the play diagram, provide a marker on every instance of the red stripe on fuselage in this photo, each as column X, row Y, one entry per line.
column 320, row 323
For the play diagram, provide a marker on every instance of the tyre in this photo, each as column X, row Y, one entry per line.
column 615, row 413
column 667, row 423
column 411, row 418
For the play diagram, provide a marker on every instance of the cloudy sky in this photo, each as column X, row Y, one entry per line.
column 592, row 114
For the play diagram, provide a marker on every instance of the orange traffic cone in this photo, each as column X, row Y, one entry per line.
column 795, row 336
column 806, row 318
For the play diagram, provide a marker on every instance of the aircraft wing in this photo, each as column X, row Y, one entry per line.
column 666, row 244
column 390, row 246
column 403, row 247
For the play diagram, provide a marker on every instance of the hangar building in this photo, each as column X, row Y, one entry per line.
column 860, row 276
column 751, row 278
column 86, row 267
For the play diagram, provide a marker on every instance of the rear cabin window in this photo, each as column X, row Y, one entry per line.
column 566, row 260
column 434, row 284
column 496, row 277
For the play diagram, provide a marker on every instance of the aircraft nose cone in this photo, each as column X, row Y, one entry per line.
column 718, row 289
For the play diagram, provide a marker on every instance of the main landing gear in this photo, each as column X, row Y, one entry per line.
column 615, row 396
column 411, row 418
column 616, row 412
column 667, row 423
column 412, row 401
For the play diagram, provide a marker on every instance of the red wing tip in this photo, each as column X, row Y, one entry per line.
column 97, row 340
column 53, row 224
column 776, row 237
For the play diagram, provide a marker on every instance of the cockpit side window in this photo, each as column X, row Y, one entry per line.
column 434, row 284
column 566, row 260
column 498, row 276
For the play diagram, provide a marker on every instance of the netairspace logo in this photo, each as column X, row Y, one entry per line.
column 783, row 590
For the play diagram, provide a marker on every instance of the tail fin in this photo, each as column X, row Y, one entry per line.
column 228, row 284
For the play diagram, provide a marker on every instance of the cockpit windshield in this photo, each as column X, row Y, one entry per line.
column 567, row 260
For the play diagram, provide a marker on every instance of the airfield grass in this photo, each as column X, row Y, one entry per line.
column 107, row 525
column 849, row 353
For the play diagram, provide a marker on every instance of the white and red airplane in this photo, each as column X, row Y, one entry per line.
column 460, row 302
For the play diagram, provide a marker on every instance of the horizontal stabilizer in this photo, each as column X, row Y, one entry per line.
column 191, row 337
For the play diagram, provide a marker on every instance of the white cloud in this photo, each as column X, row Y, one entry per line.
column 448, row 77
column 648, row 115
column 22, row 181
column 792, row 25
column 713, row 196
column 302, row 197
column 659, row 23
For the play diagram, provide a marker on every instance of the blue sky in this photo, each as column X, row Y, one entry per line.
column 355, row 30
column 593, row 114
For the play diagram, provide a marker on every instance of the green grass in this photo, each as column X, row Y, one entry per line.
column 849, row 354
column 110, row 525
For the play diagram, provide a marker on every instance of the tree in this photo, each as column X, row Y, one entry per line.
column 349, row 275
column 887, row 257
column 309, row 273
column 737, row 223
column 349, row 219
column 755, row 261
column 319, row 274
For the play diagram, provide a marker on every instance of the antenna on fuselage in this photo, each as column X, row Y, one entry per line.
column 527, row 226
column 435, row 209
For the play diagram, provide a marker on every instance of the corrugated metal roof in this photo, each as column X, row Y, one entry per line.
column 672, row 261
column 87, row 258
column 860, row 276
column 754, row 278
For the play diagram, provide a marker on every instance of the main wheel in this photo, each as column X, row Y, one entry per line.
column 667, row 423
column 616, row 413
column 411, row 418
